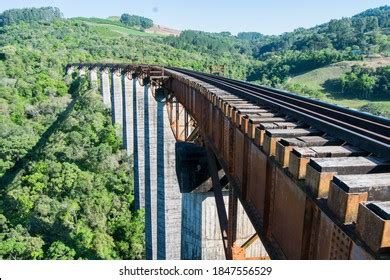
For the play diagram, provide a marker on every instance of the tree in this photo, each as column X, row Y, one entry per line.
column 136, row 21
column 341, row 33
column 14, row 16
column 366, row 83
column 17, row 244
column 59, row 251
column 251, row 36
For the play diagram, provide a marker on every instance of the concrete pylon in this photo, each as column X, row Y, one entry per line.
column 116, row 98
column 138, row 145
column 150, row 173
column 168, row 191
column 128, row 114
column 82, row 71
column 155, row 182
column 70, row 70
column 93, row 79
column 105, row 88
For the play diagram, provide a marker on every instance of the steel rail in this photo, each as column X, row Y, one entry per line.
column 362, row 130
column 364, row 120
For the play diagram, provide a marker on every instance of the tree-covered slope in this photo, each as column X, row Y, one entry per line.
column 73, row 198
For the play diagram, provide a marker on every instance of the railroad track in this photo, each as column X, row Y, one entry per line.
column 339, row 157
column 363, row 130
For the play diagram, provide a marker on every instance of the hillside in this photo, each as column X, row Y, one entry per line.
column 317, row 78
column 109, row 28
column 321, row 79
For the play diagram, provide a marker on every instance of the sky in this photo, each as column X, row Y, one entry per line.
column 265, row 16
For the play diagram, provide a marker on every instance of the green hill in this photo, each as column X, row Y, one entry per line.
column 317, row 80
column 110, row 28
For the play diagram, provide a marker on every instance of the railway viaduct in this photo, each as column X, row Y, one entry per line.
column 229, row 170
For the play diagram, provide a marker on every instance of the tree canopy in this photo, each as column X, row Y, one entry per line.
column 132, row 20
column 14, row 16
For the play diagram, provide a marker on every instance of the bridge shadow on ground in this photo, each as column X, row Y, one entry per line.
column 35, row 153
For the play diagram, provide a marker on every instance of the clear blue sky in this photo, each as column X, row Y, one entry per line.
column 265, row 16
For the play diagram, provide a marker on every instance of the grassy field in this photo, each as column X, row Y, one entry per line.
column 112, row 29
column 316, row 80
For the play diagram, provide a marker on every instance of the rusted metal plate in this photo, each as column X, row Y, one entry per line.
column 344, row 205
column 225, row 139
column 347, row 191
column 273, row 135
column 340, row 245
column 359, row 253
column 328, row 241
column 320, row 171
column 257, row 179
column 209, row 118
column 216, row 128
column 288, row 215
column 239, row 156
column 322, row 228
column 373, row 225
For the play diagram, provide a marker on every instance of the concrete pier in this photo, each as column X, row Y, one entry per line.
column 93, row 79
column 116, row 98
column 82, row 72
column 168, row 192
column 105, row 88
column 128, row 128
column 139, row 145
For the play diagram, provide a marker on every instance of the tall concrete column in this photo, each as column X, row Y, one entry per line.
column 156, row 187
column 150, row 172
column 139, row 145
column 82, row 71
column 116, row 98
column 128, row 115
column 105, row 88
column 168, row 191
column 93, row 79
column 70, row 70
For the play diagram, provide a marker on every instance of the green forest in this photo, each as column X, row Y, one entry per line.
column 66, row 184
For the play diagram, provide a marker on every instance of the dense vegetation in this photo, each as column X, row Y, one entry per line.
column 275, row 58
column 66, row 185
column 14, row 16
column 73, row 200
column 366, row 83
column 137, row 21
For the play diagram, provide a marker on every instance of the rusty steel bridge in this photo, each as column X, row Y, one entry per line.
column 311, row 179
